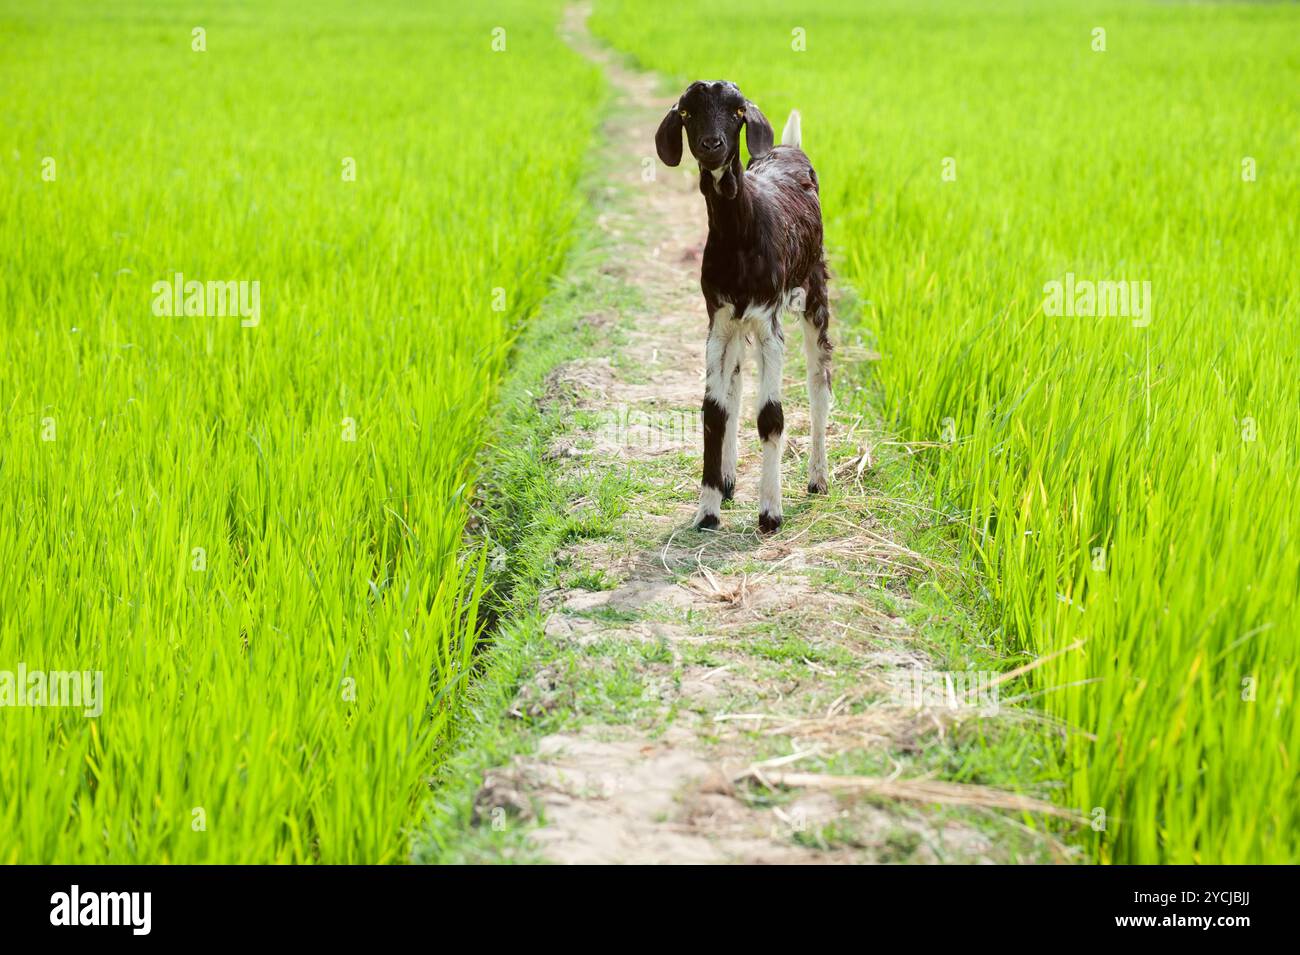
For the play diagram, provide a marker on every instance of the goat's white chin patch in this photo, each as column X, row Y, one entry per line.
column 717, row 177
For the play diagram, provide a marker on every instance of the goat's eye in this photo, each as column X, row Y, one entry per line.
column 741, row 112
column 684, row 114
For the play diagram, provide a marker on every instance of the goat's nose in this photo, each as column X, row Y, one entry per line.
column 711, row 142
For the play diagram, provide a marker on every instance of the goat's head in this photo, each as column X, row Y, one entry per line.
column 712, row 115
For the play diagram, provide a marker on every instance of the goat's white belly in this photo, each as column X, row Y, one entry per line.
column 758, row 318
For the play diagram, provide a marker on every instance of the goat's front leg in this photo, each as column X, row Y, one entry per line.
column 734, row 360
column 771, row 423
column 723, row 338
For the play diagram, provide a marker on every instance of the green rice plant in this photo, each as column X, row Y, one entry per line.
column 1125, row 484
column 250, row 520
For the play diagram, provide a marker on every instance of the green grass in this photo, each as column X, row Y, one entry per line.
column 297, row 688
column 1172, row 446
column 527, row 518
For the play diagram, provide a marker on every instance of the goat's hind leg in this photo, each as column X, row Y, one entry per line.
column 817, row 349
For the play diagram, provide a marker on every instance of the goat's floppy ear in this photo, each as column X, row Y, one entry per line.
column 668, row 139
column 758, row 132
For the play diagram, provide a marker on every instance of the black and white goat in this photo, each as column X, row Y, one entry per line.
column 764, row 257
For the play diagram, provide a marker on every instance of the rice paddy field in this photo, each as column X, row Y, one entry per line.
column 250, row 520
column 1125, row 484
column 263, row 265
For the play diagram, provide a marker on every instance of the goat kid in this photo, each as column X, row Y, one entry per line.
column 764, row 257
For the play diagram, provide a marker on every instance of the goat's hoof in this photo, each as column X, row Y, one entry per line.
column 728, row 488
column 817, row 487
column 767, row 523
column 709, row 522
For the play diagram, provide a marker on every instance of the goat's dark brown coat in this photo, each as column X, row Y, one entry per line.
column 766, row 239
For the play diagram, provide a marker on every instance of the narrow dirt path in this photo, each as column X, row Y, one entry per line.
column 772, row 720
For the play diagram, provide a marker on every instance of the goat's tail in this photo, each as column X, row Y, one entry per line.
column 792, row 135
